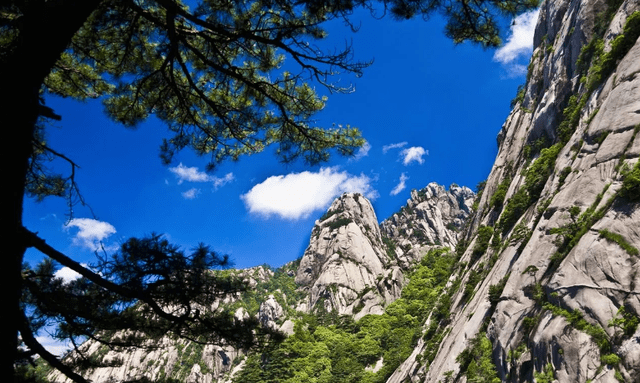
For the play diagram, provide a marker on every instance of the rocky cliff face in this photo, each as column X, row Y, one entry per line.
column 433, row 216
column 356, row 268
column 559, row 300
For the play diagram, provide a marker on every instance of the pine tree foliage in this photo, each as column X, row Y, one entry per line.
column 227, row 77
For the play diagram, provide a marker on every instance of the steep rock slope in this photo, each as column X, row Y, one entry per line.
column 556, row 235
column 356, row 268
column 434, row 216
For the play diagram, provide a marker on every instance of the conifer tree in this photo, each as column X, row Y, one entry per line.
column 213, row 72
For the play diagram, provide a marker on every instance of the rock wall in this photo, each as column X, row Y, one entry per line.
column 356, row 268
column 562, row 268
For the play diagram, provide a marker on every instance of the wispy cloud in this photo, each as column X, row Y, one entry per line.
column 401, row 185
column 398, row 145
column 219, row 182
column 191, row 193
column 413, row 154
column 296, row 195
column 91, row 232
column 191, row 174
column 519, row 44
column 362, row 152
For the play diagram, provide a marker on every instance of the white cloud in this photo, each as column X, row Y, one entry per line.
column 192, row 174
column 362, row 152
column 413, row 154
column 191, row 193
column 296, row 195
column 218, row 182
column 520, row 42
column 91, row 232
column 67, row 274
column 398, row 145
column 401, row 185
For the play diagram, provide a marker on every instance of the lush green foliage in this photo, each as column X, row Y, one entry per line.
column 483, row 238
column 339, row 351
column 535, row 178
column 495, row 291
column 546, row 376
column 281, row 285
column 476, row 361
column 625, row 321
column 603, row 64
column 497, row 199
column 630, row 188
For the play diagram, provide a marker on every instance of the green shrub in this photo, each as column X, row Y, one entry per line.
column 482, row 242
column 516, row 206
column 338, row 223
column 546, row 376
column 476, row 361
column 497, row 199
column 626, row 321
column 631, row 184
column 610, row 359
column 495, row 291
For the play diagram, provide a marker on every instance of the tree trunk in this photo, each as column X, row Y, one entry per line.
column 45, row 31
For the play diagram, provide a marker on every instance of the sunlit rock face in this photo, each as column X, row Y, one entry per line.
column 355, row 267
column 434, row 216
column 569, row 250
column 346, row 267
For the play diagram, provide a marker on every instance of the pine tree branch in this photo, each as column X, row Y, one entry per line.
column 29, row 339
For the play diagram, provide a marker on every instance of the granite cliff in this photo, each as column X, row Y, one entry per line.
column 559, row 297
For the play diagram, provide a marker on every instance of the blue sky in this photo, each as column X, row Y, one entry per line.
column 429, row 110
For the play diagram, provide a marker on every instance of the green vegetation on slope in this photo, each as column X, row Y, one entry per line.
column 341, row 350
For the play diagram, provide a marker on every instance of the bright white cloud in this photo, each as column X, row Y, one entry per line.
column 413, row 154
column 91, row 232
column 398, row 145
column 191, row 193
column 192, row 174
column 296, row 195
column 401, row 185
column 218, row 182
column 520, row 42
column 67, row 274
column 362, row 152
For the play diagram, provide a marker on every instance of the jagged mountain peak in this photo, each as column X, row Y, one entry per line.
column 433, row 216
column 345, row 265
column 355, row 267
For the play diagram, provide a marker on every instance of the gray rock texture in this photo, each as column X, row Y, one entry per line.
column 356, row 268
column 563, row 267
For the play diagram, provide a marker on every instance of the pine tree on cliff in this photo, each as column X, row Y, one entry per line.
column 210, row 73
